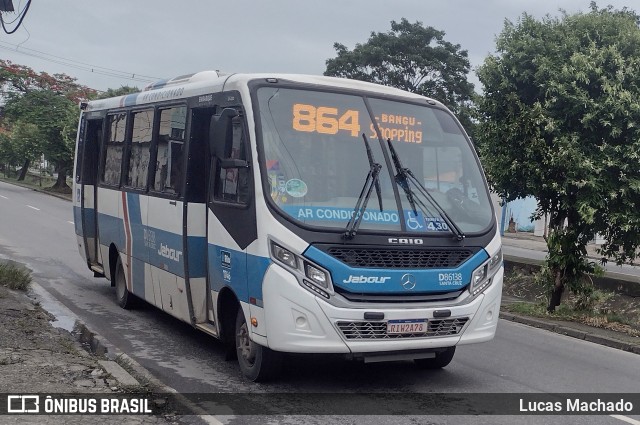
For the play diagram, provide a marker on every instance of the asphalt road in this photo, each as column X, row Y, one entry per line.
column 37, row 229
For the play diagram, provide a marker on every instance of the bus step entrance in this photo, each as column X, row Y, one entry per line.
column 208, row 328
column 98, row 271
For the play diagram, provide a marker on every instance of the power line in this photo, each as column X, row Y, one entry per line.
column 45, row 56
column 64, row 61
column 78, row 65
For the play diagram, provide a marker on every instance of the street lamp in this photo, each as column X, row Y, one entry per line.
column 6, row 6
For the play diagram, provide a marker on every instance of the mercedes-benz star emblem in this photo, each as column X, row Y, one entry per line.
column 408, row 281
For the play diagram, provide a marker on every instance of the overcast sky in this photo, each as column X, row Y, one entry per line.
column 167, row 38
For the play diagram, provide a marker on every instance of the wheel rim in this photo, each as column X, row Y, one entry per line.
column 245, row 347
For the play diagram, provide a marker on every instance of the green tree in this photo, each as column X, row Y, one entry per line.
column 121, row 91
column 51, row 118
column 24, row 145
column 411, row 57
column 559, row 120
column 7, row 154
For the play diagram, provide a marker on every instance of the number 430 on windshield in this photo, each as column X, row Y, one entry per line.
column 324, row 120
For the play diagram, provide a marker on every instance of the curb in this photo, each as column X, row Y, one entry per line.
column 98, row 345
column 574, row 333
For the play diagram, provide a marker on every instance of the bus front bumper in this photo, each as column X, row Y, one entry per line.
column 298, row 321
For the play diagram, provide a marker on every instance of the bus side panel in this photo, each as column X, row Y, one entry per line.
column 77, row 166
column 77, row 219
column 84, row 192
column 134, row 208
column 110, row 224
column 88, row 219
column 197, row 258
column 165, row 246
column 227, row 264
column 151, row 294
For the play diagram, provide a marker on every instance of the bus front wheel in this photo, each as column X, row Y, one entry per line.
column 125, row 298
column 442, row 359
column 257, row 363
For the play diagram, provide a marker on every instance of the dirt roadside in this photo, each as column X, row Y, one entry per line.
column 36, row 357
column 610, row 318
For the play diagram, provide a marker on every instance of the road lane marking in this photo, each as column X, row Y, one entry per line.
column 70, row 222
column 3, row 197
column 37, row 209
column 625, row 419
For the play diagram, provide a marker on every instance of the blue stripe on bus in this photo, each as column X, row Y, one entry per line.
column 89, row 216
column 197, row 250
column 256, row 269
column 138, row 248
column 77, row 220
column 165, row 251
column 130, row 99
column 139, row 252
column 111, row 230
column 157, row 84
column 241, row 272
column 377, row 281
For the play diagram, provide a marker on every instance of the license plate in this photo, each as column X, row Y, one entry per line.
column 408, row 326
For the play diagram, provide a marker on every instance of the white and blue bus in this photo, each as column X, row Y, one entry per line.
column 292, row 214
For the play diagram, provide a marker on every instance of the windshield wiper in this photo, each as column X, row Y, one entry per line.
column 404, row 177
column 372, row 180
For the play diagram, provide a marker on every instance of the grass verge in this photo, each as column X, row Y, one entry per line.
column 610, row 321
column 44, row 186
column 14, row 277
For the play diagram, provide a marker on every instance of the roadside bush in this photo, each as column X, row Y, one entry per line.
column 584, row 295
column 14, row 277
column 592, row 300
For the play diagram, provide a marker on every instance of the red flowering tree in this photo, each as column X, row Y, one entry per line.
column 47, row 105
column 17, row 80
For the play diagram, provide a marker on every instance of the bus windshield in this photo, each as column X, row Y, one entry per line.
column 316, row 163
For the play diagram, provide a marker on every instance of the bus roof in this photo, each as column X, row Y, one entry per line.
column 206, row 82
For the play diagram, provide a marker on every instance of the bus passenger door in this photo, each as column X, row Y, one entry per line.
column 165, row 230
column 196, row 217
column 231, row 216
column 86, row 184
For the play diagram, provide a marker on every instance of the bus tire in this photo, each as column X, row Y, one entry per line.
column 124, row 298
column 257, row 363
column 442, row 359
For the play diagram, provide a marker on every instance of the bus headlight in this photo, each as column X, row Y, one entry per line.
column 318, row 276
column 310, row 275
column 482, row 277
column 284, row 255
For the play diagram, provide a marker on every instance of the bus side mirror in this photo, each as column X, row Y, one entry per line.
column 221, row 134
column 221, row 139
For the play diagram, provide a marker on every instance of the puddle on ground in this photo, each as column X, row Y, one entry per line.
column 64, row 318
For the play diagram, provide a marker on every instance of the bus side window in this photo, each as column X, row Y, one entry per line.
column 198, row 162
column 114, row 147
column 169, row 160
column 82, row 137
column 232, row 184
column 139, row 154
column 91, row 151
